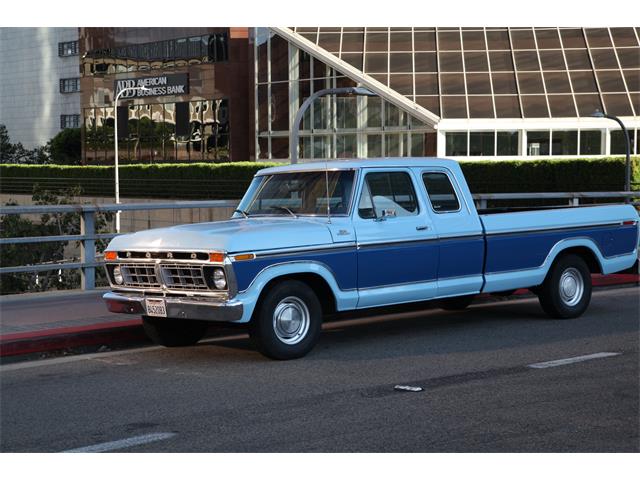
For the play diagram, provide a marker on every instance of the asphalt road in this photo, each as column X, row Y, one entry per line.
column 479, row 393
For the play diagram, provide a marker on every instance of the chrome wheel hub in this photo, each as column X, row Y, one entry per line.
column 291, row 320
column 571, row 286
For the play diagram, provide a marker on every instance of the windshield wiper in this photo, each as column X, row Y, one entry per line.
column 284, row 209
column 244, row 214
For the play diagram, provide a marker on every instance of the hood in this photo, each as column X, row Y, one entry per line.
column 237, row 235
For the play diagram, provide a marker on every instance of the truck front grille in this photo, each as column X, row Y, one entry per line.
column 184, row 277
column 140, row 275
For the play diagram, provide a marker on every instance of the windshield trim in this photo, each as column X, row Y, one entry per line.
column 356, row 175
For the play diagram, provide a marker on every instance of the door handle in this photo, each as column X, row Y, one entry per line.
column 422, row 227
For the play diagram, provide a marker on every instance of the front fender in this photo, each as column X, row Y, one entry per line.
column 345, row 299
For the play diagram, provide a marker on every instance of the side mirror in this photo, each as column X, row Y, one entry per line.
column 386, row 213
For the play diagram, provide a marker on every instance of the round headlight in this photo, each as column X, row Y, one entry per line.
column 117, row 276
column 219, row 279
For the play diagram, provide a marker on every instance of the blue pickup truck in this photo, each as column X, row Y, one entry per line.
column 314, row 239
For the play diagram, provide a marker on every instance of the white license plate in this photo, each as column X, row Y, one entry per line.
column 156, row 307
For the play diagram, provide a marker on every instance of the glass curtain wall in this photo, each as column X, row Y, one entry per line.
column 333, row 127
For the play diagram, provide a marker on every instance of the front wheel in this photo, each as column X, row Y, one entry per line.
column 287, row 321
column 566, row 292
column 174, row 332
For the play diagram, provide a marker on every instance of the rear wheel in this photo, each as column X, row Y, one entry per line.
column 566, row 292
column 174, row 332
column 287, row 321
column 456, row 303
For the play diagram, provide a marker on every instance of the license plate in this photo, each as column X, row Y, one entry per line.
column 156, row 307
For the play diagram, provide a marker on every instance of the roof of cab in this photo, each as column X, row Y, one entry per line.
column 356, row 163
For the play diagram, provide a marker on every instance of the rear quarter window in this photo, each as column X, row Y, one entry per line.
column 441, row 192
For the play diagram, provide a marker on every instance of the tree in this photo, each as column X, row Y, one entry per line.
column 65, row 147
column 16, row 153
column 7, row 149
column 12, row 226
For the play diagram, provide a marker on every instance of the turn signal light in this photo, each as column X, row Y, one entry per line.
column 217, row 257
column 110, row 255
column 244, row 256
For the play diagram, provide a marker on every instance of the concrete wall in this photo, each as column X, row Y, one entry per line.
column 30, row 73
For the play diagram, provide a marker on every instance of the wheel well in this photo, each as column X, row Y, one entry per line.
column 586, row 254
column 318, row 284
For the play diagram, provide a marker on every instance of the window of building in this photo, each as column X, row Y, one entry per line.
column 618, row 142
column 184, row 131
column 387, row 194
column 69, row 85
column 173, row 53
column 590, row 142
column 68, row 49
column 508, row 143
column 564, row 142
column 441, row 193
column 456, row 144
column 537, row 143
column 481, row 143
column 69, row 121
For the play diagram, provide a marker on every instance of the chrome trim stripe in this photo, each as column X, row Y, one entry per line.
column 313, row 248
column 554, row 229
column 475, row 275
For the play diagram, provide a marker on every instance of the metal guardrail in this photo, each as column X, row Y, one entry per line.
column 88, row 236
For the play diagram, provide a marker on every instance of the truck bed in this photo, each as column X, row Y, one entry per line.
column 520, row 244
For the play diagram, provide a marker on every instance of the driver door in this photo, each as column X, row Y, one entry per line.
column 397, row 244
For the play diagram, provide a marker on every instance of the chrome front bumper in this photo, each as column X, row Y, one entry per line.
column 177, row 307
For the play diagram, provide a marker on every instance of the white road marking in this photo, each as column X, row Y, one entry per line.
column 407, row 388
column 567, row 361
column 120, row 444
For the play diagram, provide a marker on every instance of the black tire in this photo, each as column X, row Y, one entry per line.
column 174, row 332
column 279, row 338
column 566, row 292
column 456, row 303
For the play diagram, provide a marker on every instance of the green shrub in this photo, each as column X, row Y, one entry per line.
column 566, row 175
column 229, row 180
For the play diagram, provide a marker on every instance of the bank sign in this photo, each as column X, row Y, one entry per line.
column 161, row 85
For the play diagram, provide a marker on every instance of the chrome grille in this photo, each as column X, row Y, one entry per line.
column 183, row 277
column 139, row 275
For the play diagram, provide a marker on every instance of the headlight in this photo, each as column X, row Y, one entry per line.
column 117, row 276
column 219, row 279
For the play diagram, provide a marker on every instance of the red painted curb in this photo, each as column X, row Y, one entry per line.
column 38, row 342
column 69, row 330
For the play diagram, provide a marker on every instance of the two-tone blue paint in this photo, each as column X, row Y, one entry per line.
column 369, row 262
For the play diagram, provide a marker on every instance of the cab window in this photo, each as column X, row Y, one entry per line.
column 441, row 192
column 387, row 194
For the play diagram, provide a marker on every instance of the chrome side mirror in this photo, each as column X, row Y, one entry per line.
column 386, row 213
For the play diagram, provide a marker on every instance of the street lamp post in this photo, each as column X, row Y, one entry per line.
column 115, row 131
column 295, row 128
column 627, row 144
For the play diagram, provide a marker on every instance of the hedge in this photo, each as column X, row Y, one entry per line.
column 229, row 180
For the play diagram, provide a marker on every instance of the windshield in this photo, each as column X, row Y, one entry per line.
column 299, row 193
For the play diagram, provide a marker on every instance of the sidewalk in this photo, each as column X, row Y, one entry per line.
column 44, row 322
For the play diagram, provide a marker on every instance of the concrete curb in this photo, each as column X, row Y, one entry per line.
column 131, row 330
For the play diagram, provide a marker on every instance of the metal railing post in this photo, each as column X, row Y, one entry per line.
column 87, row 250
